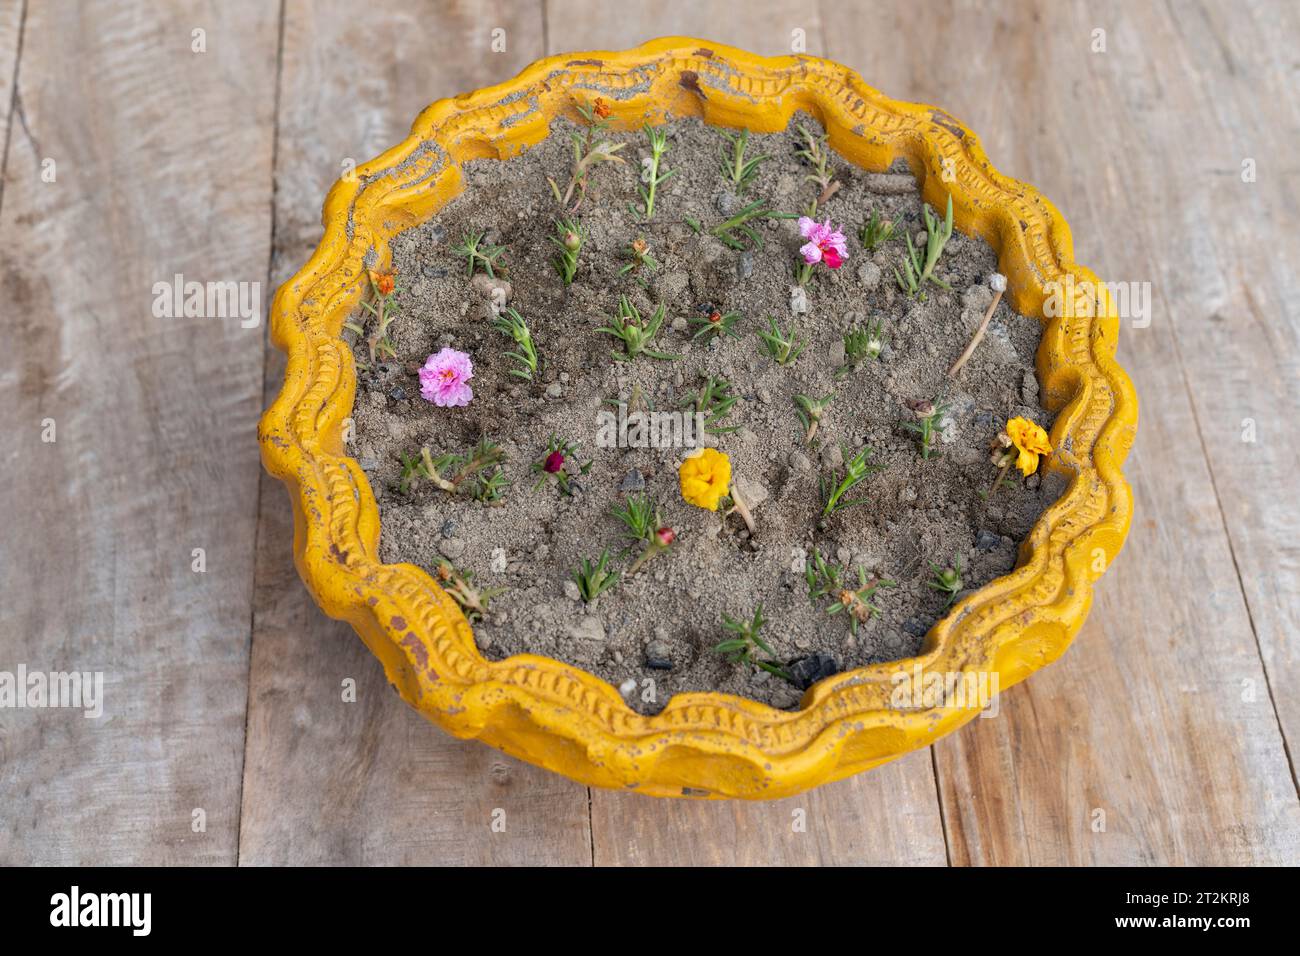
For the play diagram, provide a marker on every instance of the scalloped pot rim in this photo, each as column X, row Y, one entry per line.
column 702, row 744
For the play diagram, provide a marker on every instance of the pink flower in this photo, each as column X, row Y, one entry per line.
column 825, row 243
column 444, row 379
column 554, row 462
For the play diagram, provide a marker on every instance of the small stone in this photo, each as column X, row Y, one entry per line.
column 680, row 324
column 632, row 481
column 658, row 656
column 448, row 529
column 947, row 428
column 628, row 687
column 452, row 548
column 495, row 290
column 843, row 555
column 798, row 300
column 907, row 494
column 554, row 390
column 986, row 541
column 430, row 271
column 571, row 591
column 799, row 462
column 727, row 202
column 836, row 353
column 1029, row 389
column 976, row 298
column 752, row 491
column 807, row 671
column 869, row 275
column 1033, row 481
column 588, row 628
column 397, row 393
column 747, row 436
column 368, row 464
column 564, row 377
column 745, row 265
column 835, row 457
column 915, row 627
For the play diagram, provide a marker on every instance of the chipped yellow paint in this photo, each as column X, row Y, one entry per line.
column 700, row 745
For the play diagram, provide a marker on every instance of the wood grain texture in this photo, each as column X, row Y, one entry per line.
column 155, row 450
column 371, row 781
column 1159, row 716
column 890, row 816
column 11, row 25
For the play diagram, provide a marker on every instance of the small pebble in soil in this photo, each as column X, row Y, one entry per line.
column 745, row 265
column 680, row 324
column 628, row 687
column 658, row 656
column 571, row 591
column 449, row 528
column 798, row 300
column 807, row 671
column 633, row 481
column 799, row 462
column 452, row 548
column 986, row 540
column 588, row 628
column 915, row 627
column 554, row 390
column 869, row 275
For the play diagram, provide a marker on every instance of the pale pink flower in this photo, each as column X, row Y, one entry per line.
column 825, row 243
column 444, row 379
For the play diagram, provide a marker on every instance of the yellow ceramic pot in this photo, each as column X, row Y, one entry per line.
column 700, row 745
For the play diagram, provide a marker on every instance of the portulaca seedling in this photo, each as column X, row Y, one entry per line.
column 714, row 400
column 642, row 524
column 510, row 322
column 588, row 151
column 810, row 411
column 947, row 580
column 383, row 286
column 636, row 334
column 459, row 586
column 568, row 239
column 862, row 345
column 917, row 271
column 551, row 466
column 822, row 577
column 818, row 156
column 743, row 648
column 926, row 427
column 737, row 168
column 782, row 347
column 476, row 473
column 858, row 604
column 480, row 254
column 716, row 323
column 876, row 232
column 856, row 470
column 594, row 577
column 651, row 178
column 734, row 231
column 638, row 251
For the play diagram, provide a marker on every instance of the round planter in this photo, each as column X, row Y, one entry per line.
column 700, row 745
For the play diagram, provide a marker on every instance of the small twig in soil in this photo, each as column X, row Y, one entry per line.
column 783, row 347
column 742, row 648
column 458, row 584
column 636, row 334
column 650, row 178
column 810, row 411
column 568, row 240
column 917, row 271
column 998, row 283
column 594, row 578
column 876, row 231
column 736, row 168
column 479, row 252
column 947, row 580
column 510, row 322
column 855, row 470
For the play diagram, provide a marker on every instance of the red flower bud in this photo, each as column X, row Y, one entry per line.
column 666, row 536
column 715, row 317
column 554, row 462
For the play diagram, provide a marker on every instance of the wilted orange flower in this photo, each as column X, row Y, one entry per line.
column 384, row 282
column 601, row 108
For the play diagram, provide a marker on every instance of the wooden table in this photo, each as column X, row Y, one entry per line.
column 1165, row 735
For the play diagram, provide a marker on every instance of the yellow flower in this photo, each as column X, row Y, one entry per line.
column 705, row 478
column 1030, row 440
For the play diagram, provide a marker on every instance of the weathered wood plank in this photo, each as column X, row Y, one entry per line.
column 1159, row 716
column 890, row 816
column 162, row 166
column 11, row 23
column 371, row 781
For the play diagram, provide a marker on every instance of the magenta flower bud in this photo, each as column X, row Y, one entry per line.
column 554, row 462
column 666, row 536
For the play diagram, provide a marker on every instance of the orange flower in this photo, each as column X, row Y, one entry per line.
column 601, row 108
column 1030, row 441
column 384, row 282
column 705, row 478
